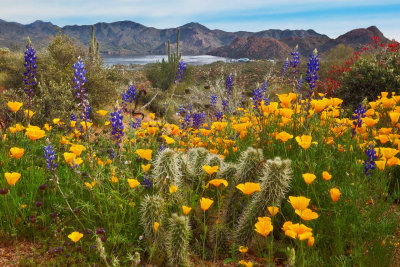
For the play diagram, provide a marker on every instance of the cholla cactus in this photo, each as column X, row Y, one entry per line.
column 196, row 159
column 214, row 160
column 274, row 183
column 228, row 172
column 167, row 170
column 248, row 166
column 219, row 235
column 247, row 171
column 151, row 210
column 291, row 257
column 178, row 241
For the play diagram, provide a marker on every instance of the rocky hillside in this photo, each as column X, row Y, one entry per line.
column 255, row 48
column 127, row 37
column 355, row 38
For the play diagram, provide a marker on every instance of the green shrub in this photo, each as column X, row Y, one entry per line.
column 54, row 93
column 375, row 72
column 162, row 74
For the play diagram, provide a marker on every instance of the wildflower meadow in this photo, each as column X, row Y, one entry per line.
column 287, row 174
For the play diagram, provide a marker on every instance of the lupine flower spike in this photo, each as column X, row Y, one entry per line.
column 312, row 76
column 180, row 72
column 81, row 95
column 29, row 74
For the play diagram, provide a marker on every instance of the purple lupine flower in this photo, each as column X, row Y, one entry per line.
column 147, row 183
column 189, row 108
column 181, row 110
column 29, row 74
column 161, row 147
column 219, row 115
column 295, row 61
column 358, row 115
column 130, row 95
column 111, row 154
column 79, row 79
column 186, row 121
column 264, row 87
column 165, row 105
column 180, row 72
column 49, row 155
column 285, row 66
column 198, row 119
column 117, row 126
column 257, row 98
column 299, row 84
column 213, row 101
column 266, row 101
column 228, row 85
column 224, row 105
column 87, row 114
column 369, row 164
column 137, row 124
column 312, row 68
column 73, row 117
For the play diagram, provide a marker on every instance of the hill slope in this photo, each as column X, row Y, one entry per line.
column 127, row 37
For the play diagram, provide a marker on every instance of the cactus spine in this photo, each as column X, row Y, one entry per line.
column 151, row 210
column 167, row 170
column 228, row 172
column 214, row 160
column 178, row 240
column 247, row 171
column 274, row 183
column 196, row 159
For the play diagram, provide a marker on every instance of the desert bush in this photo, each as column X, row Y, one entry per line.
column 54, row 89
column 366, row 74
column 369, row 77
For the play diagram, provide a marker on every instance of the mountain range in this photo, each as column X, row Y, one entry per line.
column 131, row 38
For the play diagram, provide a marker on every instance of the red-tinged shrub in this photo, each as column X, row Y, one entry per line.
column 368, row 72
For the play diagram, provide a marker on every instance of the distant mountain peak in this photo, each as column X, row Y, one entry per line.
column 39, row 22
column 195, row 25
column 128, row 37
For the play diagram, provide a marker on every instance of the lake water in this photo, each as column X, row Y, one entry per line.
column 142, row 60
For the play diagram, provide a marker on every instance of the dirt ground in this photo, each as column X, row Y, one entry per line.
column 12, row 253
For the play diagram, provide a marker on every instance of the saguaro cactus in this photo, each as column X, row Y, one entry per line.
column 94, row 46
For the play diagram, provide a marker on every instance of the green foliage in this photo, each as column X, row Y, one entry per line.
column 56, row 63
column 54, row 93
column 376, row 71
column 11, row 69
column 162, row 74
column 358, row 229
column 334, row 57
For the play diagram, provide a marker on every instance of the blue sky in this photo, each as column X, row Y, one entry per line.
column 328, row 17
